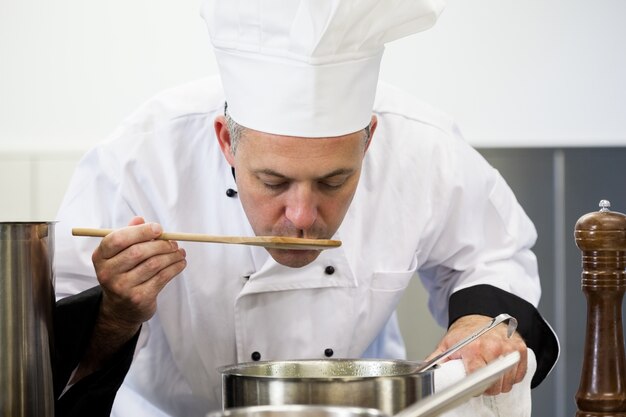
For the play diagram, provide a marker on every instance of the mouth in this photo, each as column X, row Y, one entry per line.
column 294, row 258
column 296, row 252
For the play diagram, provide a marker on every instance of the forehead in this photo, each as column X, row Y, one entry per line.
column 298, row 148
column 302, row 158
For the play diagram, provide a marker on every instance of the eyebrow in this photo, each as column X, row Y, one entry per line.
column 340, row 171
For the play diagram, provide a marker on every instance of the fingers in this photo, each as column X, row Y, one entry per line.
column 485, row 349
column 148, row 257
column 132, row 296
column 144, row 263
column 156, row 271
column 119, row 240
column 133, row 267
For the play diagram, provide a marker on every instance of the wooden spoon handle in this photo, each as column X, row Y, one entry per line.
column 277, row 242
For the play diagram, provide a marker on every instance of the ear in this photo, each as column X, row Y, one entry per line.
column 373, row 124
column 223, row 137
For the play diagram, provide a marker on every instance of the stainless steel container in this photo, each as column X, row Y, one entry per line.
column 387, row 385
column 26, row 306
column 431, row 406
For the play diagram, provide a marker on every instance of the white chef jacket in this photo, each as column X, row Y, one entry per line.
column 426, row 202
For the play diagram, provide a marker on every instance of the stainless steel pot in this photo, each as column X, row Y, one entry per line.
column 431, row 406
column 387, row 385
column 26, row 306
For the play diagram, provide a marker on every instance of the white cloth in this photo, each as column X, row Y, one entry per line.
column 313, row 62
column 515, row 403
column 426, row 202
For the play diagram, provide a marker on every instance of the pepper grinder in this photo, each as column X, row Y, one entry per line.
column 601, row 236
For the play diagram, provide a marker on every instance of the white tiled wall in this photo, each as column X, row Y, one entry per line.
column 32, row 183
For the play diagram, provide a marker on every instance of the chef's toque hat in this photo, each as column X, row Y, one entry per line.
column 307, row 67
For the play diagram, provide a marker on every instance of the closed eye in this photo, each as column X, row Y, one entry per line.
column 333, row 185
column 275, row 186
column 334, row 182
column 274, row 181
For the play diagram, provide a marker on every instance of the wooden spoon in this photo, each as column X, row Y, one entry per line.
column 274, row 242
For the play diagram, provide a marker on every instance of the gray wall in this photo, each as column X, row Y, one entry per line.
column 555, row 187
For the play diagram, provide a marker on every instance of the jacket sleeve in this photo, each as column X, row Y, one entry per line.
column 75, row 317
column 491, row 301
column 478, row 257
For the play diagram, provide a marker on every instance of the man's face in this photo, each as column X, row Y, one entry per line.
column 296, row 187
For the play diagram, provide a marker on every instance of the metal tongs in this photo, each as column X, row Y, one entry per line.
column 496, row 321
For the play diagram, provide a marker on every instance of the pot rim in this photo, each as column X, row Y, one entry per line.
column 290, row 409
column 245, row 369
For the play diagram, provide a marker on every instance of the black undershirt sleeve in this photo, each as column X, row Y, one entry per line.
column 93, row 396
column 490, row 301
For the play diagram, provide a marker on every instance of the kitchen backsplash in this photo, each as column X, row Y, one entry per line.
column 32, row 183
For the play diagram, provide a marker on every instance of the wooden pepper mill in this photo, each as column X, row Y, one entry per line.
column 601, row 236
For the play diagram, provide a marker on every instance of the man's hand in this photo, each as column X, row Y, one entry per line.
column 132, row 268
column 485, row 349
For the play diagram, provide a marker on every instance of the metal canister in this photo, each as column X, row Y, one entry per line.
column 26, row 319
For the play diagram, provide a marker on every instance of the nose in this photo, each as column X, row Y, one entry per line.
column 301, row 208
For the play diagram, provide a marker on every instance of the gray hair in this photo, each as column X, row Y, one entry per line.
column 236, row 131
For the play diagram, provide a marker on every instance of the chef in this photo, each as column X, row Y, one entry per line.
column 295, row 138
